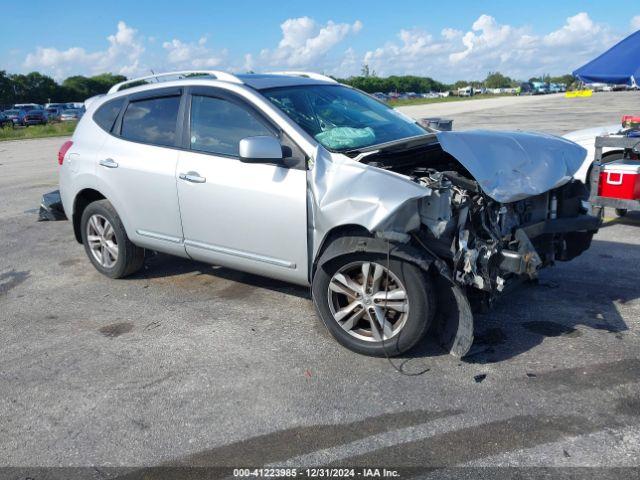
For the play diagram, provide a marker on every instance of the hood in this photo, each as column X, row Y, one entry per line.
column 510, row 166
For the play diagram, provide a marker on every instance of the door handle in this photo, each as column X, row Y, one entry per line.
column 193, row 177
column 109, row 163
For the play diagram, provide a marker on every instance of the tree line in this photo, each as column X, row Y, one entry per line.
column 371, row 83
column 35, row 87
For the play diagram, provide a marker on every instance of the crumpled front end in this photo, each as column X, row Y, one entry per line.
column 489, row 209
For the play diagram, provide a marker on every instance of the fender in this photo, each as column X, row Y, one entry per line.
column 352, row 244
column 453, row 320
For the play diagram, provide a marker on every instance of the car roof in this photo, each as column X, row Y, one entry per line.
column 257, row 81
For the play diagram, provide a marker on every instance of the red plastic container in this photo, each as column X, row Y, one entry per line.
column 620, row 180
column 630, row 121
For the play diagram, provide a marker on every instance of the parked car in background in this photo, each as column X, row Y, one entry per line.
column 16, row 116
column 71, row 114
column 540, row 88
column 54, row 113
column 27, row 106
column 554, row 88
column 55, row 105
column 383, row 97
column 35, row 117
column 525, row 88
column 74, row 105
column 5, row 121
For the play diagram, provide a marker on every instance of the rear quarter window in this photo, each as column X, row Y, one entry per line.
column 106, row 115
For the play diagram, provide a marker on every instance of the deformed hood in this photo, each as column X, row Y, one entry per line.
column 510, row 166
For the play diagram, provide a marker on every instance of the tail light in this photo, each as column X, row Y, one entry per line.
column 63, row 151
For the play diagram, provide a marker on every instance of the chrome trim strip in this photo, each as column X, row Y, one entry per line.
column 159, row 236
column 241, row 254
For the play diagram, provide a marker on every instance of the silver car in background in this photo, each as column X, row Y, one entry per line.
column 398, row 230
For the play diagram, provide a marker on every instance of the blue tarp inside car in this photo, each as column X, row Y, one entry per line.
column 619, row 65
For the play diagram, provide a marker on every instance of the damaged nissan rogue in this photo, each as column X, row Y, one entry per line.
column 398, row 230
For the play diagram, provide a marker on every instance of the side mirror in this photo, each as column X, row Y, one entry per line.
column 260, row 149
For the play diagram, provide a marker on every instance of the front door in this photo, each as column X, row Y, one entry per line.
column 251, row 217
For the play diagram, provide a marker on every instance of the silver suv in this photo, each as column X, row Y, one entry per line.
column 398, row 229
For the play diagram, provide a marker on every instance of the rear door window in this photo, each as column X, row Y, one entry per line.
column 218, row 125
column 152, row 120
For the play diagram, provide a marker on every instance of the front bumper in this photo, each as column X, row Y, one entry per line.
column 581, row 223
column 576, row 234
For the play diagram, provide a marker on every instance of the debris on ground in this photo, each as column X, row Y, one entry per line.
column 479, row 378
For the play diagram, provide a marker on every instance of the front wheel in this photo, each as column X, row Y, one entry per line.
column 371, row 306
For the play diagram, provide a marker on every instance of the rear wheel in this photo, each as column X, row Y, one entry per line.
column 106, row 242
column 372, row 307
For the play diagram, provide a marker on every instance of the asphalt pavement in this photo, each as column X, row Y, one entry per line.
column 191, row 364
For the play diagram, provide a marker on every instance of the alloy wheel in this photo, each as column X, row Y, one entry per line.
column 102, row 241
column 368, row 301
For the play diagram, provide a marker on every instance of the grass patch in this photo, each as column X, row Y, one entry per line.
column 423, row 101
column 60, row 129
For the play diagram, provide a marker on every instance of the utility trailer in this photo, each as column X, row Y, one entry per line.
column 630, row 146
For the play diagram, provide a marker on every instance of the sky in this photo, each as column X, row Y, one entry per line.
column 457, row 40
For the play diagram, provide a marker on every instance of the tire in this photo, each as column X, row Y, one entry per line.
column 404, row 331
column 100, row 248
column 621, row 212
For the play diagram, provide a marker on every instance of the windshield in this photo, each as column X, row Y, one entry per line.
column 341, row 118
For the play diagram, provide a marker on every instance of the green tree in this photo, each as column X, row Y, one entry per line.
column 79, row 87
column 497, row 80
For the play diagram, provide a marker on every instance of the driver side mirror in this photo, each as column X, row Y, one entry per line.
column 260, row 149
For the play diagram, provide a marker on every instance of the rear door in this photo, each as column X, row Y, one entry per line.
column 251, row 217
column 138, row 166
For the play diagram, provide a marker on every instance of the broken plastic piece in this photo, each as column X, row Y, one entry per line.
column 51, row 207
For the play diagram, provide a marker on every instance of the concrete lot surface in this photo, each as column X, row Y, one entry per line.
column 191, row 364
column 549, row 113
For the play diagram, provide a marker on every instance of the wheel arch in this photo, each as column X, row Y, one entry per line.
column 82, row 199
column 346, row 239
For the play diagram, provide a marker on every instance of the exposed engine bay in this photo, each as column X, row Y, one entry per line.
column 488, row 244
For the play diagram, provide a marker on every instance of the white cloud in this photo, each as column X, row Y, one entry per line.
column 192, row 55
column 417, row 52
column 453, row 53
column 490, row 46
column 578, row 29
column 304, row 43
column 123, row 56
column 635, row 22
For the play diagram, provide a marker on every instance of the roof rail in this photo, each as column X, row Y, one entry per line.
column 312, row 75
column 217, row 74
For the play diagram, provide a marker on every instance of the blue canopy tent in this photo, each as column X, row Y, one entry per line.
column 620, row 64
